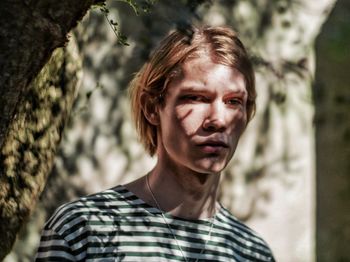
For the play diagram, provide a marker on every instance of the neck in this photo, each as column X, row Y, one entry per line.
column 184, row 193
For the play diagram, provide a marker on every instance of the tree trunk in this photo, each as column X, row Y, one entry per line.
column 34, row 105
column 30, row 30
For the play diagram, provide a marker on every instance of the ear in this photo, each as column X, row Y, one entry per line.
column 150, row 109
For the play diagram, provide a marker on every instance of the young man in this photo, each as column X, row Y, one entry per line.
column 191, row 102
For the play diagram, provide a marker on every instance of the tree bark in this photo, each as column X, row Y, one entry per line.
column 30, row 30
column 34, row 105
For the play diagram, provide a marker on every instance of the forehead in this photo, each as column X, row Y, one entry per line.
column 202, row 73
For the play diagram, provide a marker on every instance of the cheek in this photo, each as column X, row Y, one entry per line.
column 189, row 120
column 239, row 123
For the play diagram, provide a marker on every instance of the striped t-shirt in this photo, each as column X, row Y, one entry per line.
column 116, row 225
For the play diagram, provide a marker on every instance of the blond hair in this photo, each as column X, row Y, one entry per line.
column 148, row 87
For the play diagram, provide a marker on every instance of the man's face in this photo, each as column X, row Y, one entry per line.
column 203, row 117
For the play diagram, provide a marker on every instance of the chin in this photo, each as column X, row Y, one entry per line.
column 211, row 167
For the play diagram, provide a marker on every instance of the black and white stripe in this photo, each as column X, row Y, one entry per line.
column 115, row 225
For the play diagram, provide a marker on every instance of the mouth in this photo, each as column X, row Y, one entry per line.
column 213, row 146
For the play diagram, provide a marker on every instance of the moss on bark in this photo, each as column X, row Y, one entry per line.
column 34, row 134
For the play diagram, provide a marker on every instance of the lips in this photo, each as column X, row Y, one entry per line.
column 213, row 146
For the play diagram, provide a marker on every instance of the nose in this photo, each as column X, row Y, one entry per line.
column 215, row 120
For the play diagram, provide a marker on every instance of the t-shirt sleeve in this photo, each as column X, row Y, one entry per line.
column 53, row 247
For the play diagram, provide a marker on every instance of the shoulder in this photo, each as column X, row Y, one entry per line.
column 248, row 242
column 78, row 213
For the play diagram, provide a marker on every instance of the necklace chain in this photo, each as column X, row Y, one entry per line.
column 171, row 230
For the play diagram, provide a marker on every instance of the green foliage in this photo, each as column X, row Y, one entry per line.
column 139, row 6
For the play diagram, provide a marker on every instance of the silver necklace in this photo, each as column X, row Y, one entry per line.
column 171, row 230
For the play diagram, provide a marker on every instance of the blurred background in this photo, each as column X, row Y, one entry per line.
column 289, row 179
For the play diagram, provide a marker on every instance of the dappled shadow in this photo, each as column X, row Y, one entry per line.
column 100, row 148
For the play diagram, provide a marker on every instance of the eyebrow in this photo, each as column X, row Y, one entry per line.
column 193, row 89
column 199, row 89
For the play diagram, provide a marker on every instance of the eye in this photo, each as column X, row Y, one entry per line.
column 194, row 98
column 234, row 101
